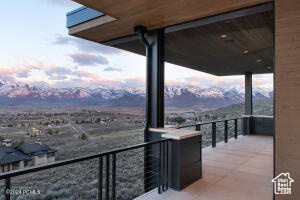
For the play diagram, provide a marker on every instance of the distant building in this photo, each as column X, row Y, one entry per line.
column 27, row 123
column 39, row 153
column 7, row 143
column 190, row 114
column 12, row 159
column 24, row 156
column 35, row 132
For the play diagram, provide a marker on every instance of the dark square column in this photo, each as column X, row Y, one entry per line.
column 248, row 94
column 247, row 121
column 156, row 78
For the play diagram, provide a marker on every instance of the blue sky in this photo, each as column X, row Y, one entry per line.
column 35, row 47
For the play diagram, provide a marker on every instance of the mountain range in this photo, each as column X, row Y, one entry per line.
column 16, row 93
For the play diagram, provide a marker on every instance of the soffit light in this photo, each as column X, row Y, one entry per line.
column 223, row 36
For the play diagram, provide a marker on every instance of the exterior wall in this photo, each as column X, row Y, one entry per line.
column 263, row 125
column 39, row 161
column 36, row 160
column 258, row 124
column 51, row 158
column 287, row 95
column 6, row 168
column 9, row 167
column 21, row 164
column 15, row 165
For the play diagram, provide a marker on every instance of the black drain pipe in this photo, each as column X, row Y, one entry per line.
column 141, row 30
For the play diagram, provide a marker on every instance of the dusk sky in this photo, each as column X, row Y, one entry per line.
column 35, row 47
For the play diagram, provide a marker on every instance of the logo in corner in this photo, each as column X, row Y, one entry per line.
column 283, row 184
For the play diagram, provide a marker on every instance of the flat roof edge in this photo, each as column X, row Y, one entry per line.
column 81, row 15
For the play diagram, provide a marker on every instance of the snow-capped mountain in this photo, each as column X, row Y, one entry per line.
column 15, row 93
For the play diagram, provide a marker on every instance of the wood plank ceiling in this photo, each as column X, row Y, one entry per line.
column 231, row 47
column 152, row 14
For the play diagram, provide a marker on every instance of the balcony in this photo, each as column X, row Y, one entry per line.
column 233, row 165
column 241, row 169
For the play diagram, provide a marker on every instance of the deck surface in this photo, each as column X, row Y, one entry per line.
column 241, row 170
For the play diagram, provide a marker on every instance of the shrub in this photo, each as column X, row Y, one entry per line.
column 83, row 136
column 178, row 120
column 18, row 143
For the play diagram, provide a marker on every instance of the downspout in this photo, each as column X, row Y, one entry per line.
column 141, row 30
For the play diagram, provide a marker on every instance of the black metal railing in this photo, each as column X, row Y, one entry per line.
column 160, row 172
column 214, row 128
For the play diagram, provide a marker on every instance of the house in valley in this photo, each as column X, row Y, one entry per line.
column 25, row 155
column 38, row 153
column 12, row 159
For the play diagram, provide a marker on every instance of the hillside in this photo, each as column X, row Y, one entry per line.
column 260, row 107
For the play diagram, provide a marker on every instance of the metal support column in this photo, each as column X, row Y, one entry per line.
column 248, row 94
column 247, row 121
column 155, row 54
column 156, row 77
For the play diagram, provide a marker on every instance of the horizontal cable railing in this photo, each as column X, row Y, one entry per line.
column 214, row 128
column 109, row 163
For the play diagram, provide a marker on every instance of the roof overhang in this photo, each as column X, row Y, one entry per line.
column 229, row 44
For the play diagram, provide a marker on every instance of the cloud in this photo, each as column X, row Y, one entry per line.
column 206, row 81
column 110, row 69
column 58, row 73
column 135, row 82
column 88, row 59
column 25, row 65
column 85, row 45
column 81, row 73
column 8, row 73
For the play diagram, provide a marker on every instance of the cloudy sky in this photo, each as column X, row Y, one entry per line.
column 35, row 48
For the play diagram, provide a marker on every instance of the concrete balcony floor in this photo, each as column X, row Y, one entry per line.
column 241, row 170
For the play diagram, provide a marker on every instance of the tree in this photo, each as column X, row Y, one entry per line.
column 17, row 143
column 178, row 120
column 83, row 136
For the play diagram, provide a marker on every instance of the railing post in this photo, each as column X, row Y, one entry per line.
column 226, row 131
column 163, row 166
column 159, row 169
column 198, row 127
column 7, row 188
column 100, row 178
column 167, row 167
column 107, row 178
column 235, row 129
column 213, row 137
column 114, row 177
column 200, row 155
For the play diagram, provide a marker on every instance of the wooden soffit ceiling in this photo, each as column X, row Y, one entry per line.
column 152, row 14
column 224, row 48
